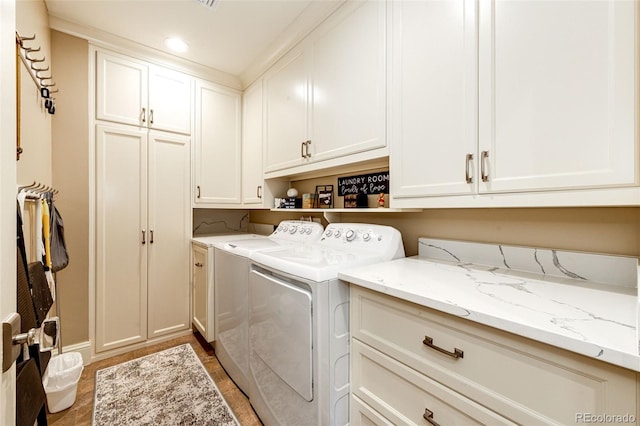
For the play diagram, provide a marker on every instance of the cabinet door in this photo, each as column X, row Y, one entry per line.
column 252, row 180
column 349, row 82
column 121, row 237
column 558, row 89
column 286, row 120
column 169, row 233
column 170, row 100
column 218, row 145
column 121, row 89
column 200, row 302
column 433, row 112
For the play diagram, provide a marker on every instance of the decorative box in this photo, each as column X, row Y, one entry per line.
column 356, row 201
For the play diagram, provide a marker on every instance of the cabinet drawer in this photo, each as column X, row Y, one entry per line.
column 523, row 380
column 404, row 396
column 361, row 414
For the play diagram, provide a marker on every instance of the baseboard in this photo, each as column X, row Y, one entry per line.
column 83, row 347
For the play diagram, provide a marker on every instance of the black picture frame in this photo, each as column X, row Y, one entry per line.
column 324, row 197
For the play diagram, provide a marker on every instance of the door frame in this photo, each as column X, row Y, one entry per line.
column 7, row 194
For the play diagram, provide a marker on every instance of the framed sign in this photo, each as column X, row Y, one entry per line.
column 372, row 183
column 324, row 196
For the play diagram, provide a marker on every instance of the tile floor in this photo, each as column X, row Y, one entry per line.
column 81, row 411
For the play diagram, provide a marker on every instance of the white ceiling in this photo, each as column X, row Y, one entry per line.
column 228, row 37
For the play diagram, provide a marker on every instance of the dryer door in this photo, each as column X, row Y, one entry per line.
column 281, row 330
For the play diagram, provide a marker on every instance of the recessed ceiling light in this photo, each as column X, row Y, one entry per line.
column 176, row 44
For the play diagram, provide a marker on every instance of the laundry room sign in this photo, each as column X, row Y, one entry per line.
column 372, row 183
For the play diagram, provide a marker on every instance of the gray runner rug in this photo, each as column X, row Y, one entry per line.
column 170, row 387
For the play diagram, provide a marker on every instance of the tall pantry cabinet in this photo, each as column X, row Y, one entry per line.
column 142, row 186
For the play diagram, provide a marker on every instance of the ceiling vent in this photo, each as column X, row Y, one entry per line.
column 211, row 4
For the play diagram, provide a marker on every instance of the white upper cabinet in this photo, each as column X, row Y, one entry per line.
column 558, row 89
column 348, row 92
column 252, row 176
column 170, row 100
column 286, row 116
column 130, row 91
column 434, row 97
column 514, row 103
column 326, row 99
column 121, row 89
column 218, row 155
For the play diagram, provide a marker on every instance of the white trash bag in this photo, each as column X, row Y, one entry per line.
column 60, row 380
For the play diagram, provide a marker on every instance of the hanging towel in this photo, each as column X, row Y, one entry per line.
column 59, row 255
column 25, row 307
column 46, row 234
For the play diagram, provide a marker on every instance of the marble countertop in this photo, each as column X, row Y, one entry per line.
column 598, row 321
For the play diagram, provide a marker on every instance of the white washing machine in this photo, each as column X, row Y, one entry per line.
column 231, row 292
column 299, row 323
column 203, row 316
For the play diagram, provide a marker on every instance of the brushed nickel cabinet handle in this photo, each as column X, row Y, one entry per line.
column 143, row 115
column 302, row 145
column 259, row 191
column 198, row 191
column 483, row 157
column 144, row 236
column 151, row 236
column 457, row 353
column 428, row 416
column 150, row 116
column 307, row 153
column 467, row 174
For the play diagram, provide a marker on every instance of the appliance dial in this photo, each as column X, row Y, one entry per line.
column 337, row 233
column 309, row 231
column 350, row 235
column 328, row 233
column 293, row 230
column 366, row 236
column 284, row 228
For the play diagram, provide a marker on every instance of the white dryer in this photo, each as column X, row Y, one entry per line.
column 232, row 262
column 299, row 323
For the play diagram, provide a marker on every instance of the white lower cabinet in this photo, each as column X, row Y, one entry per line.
column 202, row 289
column 495, row 378
column 142, row 235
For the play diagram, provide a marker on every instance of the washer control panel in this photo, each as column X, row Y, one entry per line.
column 298, row 230
column 361, row 236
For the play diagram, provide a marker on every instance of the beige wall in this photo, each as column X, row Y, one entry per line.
column 35, row 121
column 70, row 157
column 601, row 230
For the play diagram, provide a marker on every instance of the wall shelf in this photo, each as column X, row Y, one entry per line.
column 335, row 215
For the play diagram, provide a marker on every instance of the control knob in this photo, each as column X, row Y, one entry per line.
column 337, row 233
column 328, row 232
column 350, row 235
column 293, row 230
column 366, row 236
